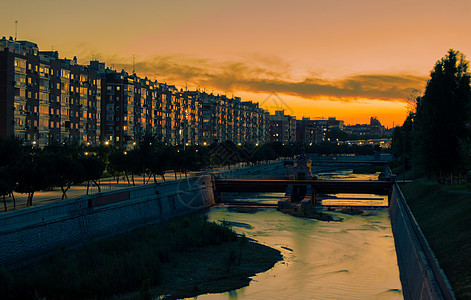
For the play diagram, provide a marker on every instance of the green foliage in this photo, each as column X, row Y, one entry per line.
column 442, row 115
column 332, row 148
column 122, row 264
column 443, row 215
column 93, row 168
column 337, row 134
column 242, row 242
column 231, row 259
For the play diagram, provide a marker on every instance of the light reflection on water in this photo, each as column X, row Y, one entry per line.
column 352, row 259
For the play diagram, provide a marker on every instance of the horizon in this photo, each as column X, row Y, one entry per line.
column 323, row 59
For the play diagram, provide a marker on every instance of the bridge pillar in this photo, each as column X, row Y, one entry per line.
column 286, row 201
column 314, row 196
column 302, row 168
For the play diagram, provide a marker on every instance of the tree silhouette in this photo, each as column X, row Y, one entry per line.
column 441, row 115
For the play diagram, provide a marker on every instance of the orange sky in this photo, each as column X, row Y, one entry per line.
column 343, row 58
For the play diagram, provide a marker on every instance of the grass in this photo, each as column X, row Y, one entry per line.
column 147, row 260
column 444, row 215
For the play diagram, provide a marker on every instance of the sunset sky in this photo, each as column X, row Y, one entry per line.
column 352, row 59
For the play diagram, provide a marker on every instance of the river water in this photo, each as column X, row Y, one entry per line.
column 350, row 259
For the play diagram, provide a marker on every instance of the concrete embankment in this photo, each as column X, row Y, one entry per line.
column 31, row 233
column 421, row 275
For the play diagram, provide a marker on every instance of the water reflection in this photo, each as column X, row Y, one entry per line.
column 352, row 259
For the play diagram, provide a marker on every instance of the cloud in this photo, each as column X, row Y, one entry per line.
column 270, row 75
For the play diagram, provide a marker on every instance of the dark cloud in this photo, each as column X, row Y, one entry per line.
column 259, row 76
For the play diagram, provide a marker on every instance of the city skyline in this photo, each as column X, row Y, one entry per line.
column 349, row 60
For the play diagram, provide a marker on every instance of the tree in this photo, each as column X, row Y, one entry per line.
column 116, row 164
column 442, row 115
column 7, row 184
column 36, row 171
column 11, row 153
column 69, row 172
column 93, row 167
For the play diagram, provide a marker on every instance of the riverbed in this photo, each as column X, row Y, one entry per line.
column 351, row 259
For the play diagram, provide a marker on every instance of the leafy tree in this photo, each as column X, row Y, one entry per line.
column 94, row 168
column 36, row 171
column 70, row 172
column 442, row 115
column 133, row 163
column 11, row 152
column 117, row 164
column 403, row 140
column 157, row 164
column 7, row 184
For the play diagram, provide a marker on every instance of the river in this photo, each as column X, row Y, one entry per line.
column 350, row 259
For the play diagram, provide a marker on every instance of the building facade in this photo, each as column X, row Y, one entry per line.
column 308, row 132
column 282, row 127
column 45, row 99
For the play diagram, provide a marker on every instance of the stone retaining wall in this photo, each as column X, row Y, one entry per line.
column 420, row 273
column 31, row 233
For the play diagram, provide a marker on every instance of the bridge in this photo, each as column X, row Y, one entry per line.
column 302, row 190
column 350, row 162
column 320, row 186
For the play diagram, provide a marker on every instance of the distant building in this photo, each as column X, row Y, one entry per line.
column 374, row 128
column 282, row 127
column 308, row 132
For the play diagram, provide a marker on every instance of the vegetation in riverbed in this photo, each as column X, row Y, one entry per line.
column 443, row 213
column 308, row 211
column 187, row 257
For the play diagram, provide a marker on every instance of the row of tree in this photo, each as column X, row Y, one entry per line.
column 27, row 169
column 436, row 137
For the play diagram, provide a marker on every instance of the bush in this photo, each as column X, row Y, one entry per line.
column 124, row 263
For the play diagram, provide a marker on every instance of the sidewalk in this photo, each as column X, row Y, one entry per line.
column 106, row 185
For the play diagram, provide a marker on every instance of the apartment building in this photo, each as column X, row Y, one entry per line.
column 44, row 98
column 282, row 127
